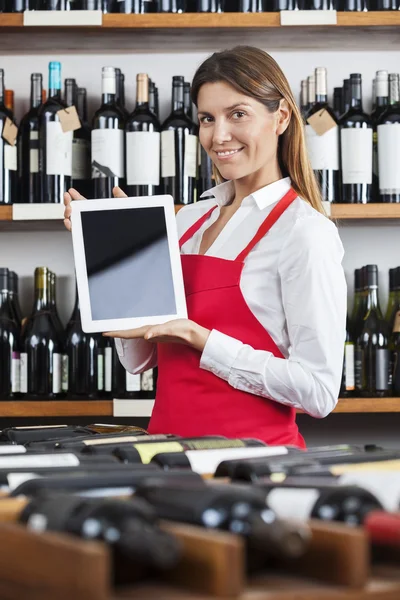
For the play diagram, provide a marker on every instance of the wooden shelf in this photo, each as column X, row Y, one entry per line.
column 365, row 211
column 215, row 20
column 5, row 213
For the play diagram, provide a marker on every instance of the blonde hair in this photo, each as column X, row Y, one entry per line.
column 255, row 73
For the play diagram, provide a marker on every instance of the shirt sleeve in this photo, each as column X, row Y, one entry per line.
column 314, row 299
column 136, row 356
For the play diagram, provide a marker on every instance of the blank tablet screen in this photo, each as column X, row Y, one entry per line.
column 128, row 263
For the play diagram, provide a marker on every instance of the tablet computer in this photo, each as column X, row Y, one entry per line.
column 127, row 262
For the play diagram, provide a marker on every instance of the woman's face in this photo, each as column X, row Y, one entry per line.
column 237, row 132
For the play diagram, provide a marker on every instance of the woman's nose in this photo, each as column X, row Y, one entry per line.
column 221, row 133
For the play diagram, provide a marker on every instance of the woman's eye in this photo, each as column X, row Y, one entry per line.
column 238, row 114
column 206, row 120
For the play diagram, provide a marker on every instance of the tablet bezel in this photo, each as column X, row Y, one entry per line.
column 89, row 325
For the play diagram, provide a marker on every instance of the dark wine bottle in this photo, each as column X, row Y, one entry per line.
column 372, row 354
column 179, row 150
column 356, row 5
column 142, row 144
column 211, row 6
column 42, row 346
column 106, row 6
column 356, row 136
column 387, row 5
column 24, row 435
column 254, row 6
column 170, row 6
column 28, row 145
column 394, row 327
column 152, row 98
column 8, row 154
column 14, row 298
column 9, row 343
column 55, row 146
column 187, row 100
column 81, row 169
column 9, row 101
column 238, row 509
column 346, row 96
column 389, row 145
column 303, row 97
column 108, row 139
column 380, row 105
column 323, row 149
column 348, row 385
column 18, row 6
column 391, row 305
column 310, row 92
column 321, row 5
column 361, row 306
column 206, row 179
column 120, row 92
column 100, row 443
column 338, row 102
column 118, row 377
column 357, row 301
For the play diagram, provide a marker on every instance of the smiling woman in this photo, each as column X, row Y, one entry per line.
column 265, row 288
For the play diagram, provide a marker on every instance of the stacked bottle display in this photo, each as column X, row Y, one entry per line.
column 371, row 365
column 353, row 154
column 133, row 151
column 213, row 6
column 40, row 359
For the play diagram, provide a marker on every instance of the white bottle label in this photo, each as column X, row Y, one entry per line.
column 147, row 383
column 100, row 372
column 356, row 146
column 58, row 150
column 291, row 503
column 31, row 461
column 64, row 372
column 57, row 369
column 168, row 153
column 349, row 366
column 143, row 158
column 80, row 159
column 34, row 152
column 323, row 150
column 23, row 385
column 10, row 157
column 107, row 369
column 15, row 372
column 389, row 158
column 107, row 153
column 191, row 152
column 206, row 461
column 132, row 382
column 12, row 449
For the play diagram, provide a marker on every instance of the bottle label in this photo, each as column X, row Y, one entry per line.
column 356, row 146
column 34, row 152
column 396, row 323
column 382, row 369
column 132, row 382
column 42, row 461
column 57, row 367
column 349, row 366
column 143, row 158
column 191, row 153
column 168, row 153
column 359, row 368
column 10, row 157
column 58, row 150
column 108, row 369
column 100, row 372
column 107, row 153
column 293, row 503
column 323, row 150
column 23, row 385
column 64, row 372
column 122, row 439
column 15, row 372
column 396, row 373
column 389, row 158
column 80, row 159
column 147, row 381
column 206, row 461
column 148, row 451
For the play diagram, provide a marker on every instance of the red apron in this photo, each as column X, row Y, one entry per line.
column 193, row 402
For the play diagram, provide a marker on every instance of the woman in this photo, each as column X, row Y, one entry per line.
column 265, row 288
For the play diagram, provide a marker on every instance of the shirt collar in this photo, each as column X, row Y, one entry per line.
column 263, row 197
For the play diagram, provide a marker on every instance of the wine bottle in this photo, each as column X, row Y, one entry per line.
column 170, row 6
column 310, row 92
column 323, row 149
column 14, row 298
column 118, row 376
column 357, row 300
column 179, row 150
column 28, row 145
column 130, row 6
column 9, row 101
column 18, row 6
column 152, row 97
column 361, row 307
column 346, row 96
column 9, row 343
column 321, row 5
column 108, row 139
column 99, row 443
column 24, row 435
column 348, row 385
column 55, row 145
column 238, row 509
column 187, row 100
column 372, row 355
column 211, row 6
column 81, row 175
column 338, row 102
column 387, row 5
column 356, row 148
column 8, row 154
column 394, row 327
column 356, row 5
column 381, row 98
column 120, row 92
column 253, row 6
column 206, row 179
column 303, row 97
column 391, row 305
column 388, row 128
column 42, row 346
column 142, row 144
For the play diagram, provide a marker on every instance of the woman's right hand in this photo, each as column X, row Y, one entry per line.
column 73, row 194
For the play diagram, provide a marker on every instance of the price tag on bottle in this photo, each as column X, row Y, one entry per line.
column 10, row 132
column 321, row 122
column 69, row 119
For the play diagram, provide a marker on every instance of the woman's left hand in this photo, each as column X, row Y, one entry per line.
column 179, row 331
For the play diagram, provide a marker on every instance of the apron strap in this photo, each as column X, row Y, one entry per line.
column 195, row 227
column 266, row 225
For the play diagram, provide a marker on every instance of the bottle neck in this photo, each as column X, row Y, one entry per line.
column 1, row 87
column 77, row 309
column 142, row 92
column 109, row 89
column 321, row 99
column 82, row 106
column 381, row 101
column 42, row 295
column 70, row 93
column 4, row 300
column 177, row 98
column 372, row 300
column 36, row 92
column 55, row 84
column 356, row 99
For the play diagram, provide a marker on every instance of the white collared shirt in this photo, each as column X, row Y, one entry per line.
column 294, row 284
